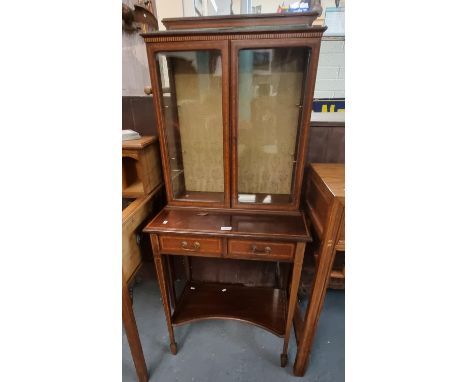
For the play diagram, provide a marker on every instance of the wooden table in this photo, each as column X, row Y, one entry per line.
column 133, row 337
column 325, row 206
column 133, row 216
column 229, row 234
column 142, row 183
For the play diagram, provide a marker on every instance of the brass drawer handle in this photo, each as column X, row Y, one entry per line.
column 266, row 251
column 185, row 246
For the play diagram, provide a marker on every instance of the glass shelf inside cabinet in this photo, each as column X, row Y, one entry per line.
column 270, row 93
column 193, row 121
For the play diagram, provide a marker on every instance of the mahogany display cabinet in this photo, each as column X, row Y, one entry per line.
column 233, row 107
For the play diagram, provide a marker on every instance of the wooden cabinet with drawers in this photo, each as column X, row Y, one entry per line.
column 233, row 101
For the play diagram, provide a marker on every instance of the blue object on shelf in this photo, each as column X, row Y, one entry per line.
column 328, row 105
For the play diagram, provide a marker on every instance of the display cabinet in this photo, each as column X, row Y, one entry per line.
column 233, row 105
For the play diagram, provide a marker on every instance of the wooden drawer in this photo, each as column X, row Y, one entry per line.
column 261, row 250
column 190, row 245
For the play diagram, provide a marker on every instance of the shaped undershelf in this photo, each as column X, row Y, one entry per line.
column 261, row 306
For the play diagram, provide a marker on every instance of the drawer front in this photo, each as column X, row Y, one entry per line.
column 261, row 250
column 190, row 245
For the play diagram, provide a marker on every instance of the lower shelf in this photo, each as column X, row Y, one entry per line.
column 201, row 196
column 261, row 306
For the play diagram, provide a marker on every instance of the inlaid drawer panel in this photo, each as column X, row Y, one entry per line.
column 260, row 250
column 190, row 245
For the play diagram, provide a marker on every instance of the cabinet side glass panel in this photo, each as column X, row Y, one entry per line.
column 193, row 117
column 270, row 93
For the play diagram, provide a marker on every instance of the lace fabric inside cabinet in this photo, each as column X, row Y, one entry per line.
column 270, row 88
column 194, row 123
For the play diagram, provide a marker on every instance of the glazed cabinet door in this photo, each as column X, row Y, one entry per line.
column 272, row 87
column 190, row 92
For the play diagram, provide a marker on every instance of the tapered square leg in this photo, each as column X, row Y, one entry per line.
column 284, row 360
column 163, row 286
column 293, row 289
column 318, row 291
column 133, row 337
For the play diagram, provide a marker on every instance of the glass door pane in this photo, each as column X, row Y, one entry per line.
column 193, row 118
column 270, row 90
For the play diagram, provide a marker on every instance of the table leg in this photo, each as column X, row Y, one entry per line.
column 319, row 288
column 170, row 272
column 164, row 290
column 294, row 287
column 133, row 338
column 187, row 267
